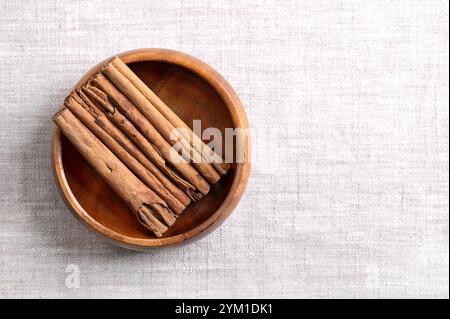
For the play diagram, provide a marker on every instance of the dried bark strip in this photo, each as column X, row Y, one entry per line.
column 131, row 112
column 170, row 115
column 143, row 202
column 170, row 133
column 118, row 143
column 133, row 133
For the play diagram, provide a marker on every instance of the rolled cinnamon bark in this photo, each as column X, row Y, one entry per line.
column 151, row 211
column 170, row 133
column 123, row 148
column 134, row 151
column 130, row 111
column 133, row 134
column 170, row 115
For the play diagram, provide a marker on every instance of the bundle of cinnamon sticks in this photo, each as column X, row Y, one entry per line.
column 127, row 133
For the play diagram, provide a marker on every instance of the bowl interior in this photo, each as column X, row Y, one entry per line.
column 191, row 97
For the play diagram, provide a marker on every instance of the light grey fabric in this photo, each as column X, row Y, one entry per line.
column 348, row 195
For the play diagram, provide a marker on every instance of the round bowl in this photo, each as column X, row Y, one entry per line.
column 194, row 91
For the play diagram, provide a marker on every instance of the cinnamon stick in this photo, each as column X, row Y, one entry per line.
column 166, row 129
column 130, row 111
column 135, row 151
column 170, row 115
column 133, row 134
column 151, row 211
column 119, row 144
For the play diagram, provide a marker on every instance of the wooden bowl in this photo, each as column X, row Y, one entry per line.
column 194, row 91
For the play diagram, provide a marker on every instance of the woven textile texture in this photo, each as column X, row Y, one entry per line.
column 348, row 194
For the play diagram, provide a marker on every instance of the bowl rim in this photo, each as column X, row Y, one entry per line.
column 238, row 118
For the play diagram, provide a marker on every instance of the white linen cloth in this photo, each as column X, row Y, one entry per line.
column 348, row 195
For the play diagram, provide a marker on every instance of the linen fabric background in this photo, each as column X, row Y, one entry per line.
column 348, row 194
